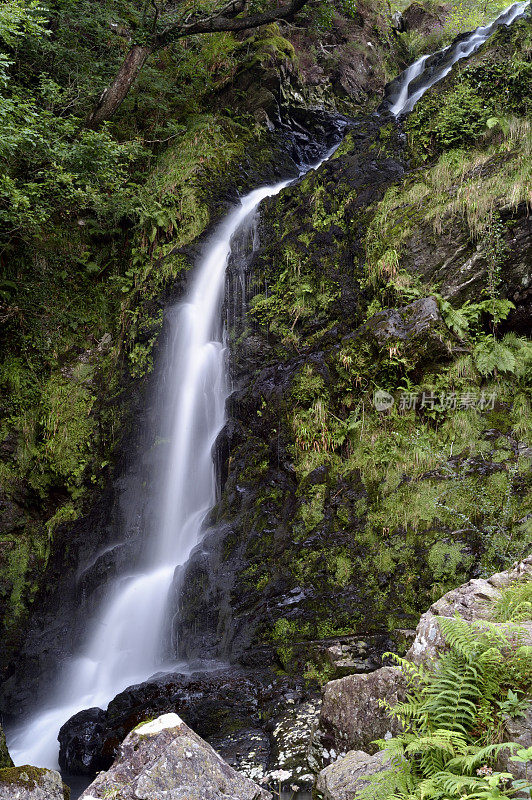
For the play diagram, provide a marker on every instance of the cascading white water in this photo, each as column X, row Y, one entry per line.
column 407, row 96
column 124, row 645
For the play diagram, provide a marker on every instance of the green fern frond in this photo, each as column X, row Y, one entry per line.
column 478, row 756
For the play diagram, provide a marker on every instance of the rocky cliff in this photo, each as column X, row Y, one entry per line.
column 388, row 269
column 377, row 451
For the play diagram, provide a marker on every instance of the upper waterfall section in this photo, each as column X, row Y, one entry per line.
column 402, row 94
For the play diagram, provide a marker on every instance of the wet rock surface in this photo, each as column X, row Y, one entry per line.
column 5, row 758
column 461, row 269
column 257, row 722
column 165, row 757
column 418, row 327
column 223, row 611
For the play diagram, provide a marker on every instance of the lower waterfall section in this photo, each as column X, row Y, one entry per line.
column 125, row 643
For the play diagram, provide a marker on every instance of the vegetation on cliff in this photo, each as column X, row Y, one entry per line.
column 328, row 500
column 367, row 511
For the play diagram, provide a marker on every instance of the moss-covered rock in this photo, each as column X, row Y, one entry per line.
column 32, row 783
column 5, row 758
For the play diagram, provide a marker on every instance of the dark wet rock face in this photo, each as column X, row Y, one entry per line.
column 5, row 758
column 461, row 269
column 81, row 743
column 241, row 578
column 231, row 709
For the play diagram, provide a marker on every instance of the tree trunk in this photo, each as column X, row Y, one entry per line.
column 134, row 61
column 113, row 96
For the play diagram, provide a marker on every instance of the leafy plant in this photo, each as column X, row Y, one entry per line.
column 515, row 602
column 449, row 744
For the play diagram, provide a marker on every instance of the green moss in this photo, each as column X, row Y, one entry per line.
column 27, row 778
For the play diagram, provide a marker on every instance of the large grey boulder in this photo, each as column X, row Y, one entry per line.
column 32, row 783
column 347, row 776
column 165, row 758
column 473, row 601
column 351, row 717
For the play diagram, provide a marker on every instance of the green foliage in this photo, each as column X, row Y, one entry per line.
column 21, row 18
column 510, row 355
column 460, row 120
column 466, row 318
column 515, row 602
column 452, row 718
column 53, row 170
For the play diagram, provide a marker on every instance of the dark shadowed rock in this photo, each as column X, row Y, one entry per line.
column 165, row 758
column 81, row 741
column 418, row 326
column 461, row 269
column 5, row 758
column 228, row 708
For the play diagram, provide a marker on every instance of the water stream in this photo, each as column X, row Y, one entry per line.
column 124, row 644
column 412, row 84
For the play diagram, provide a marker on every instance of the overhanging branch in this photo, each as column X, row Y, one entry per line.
column 224, row 20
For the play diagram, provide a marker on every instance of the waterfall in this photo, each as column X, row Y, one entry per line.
column 404, row 92
column 124, row 643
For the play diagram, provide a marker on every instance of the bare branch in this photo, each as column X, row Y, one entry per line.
column 223, row 21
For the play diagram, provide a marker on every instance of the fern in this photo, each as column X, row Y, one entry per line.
column 452, row 717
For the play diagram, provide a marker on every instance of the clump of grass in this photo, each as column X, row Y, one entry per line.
column 515, row 603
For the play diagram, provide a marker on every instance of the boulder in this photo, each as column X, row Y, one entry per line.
column 418, row 329
column 81, row 743
column 224, row 707
column 5, row 758
column 472, row 601
column 516, row 729
column 32, row 783
column 347, row 776
column 351, row 718
column 165, row 758
column 292, row 736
